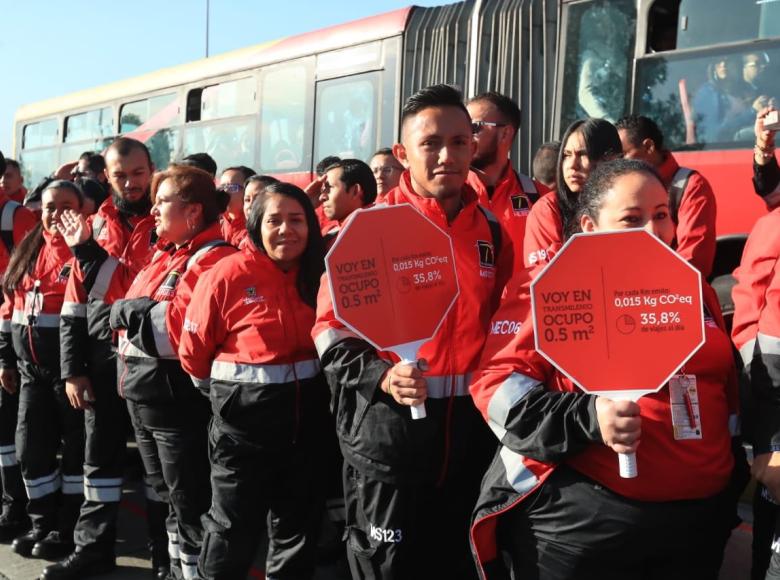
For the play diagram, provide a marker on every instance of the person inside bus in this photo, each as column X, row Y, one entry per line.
column 691, row 201
column 387, row 170
column 585, row 144
column 544, row 164
column 754, row 93
column 12, row 181
column 349, row 186
column 714, row 103
column 34, row 286
column 495, row 121
column 247, row 344
column 766, row 173
column 233, row 222
column 553, row 504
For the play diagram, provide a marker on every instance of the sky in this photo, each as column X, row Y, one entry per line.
column 51, row 47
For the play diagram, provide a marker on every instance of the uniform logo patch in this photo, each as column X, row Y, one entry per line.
column 487, row 257
column 64, row 274
column 520, row 204
column 252, row 297
column 168, row 288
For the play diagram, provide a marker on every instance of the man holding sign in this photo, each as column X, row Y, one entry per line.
column 410, row 484
column 553, row 504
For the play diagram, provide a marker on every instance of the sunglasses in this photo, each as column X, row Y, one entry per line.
column 231, row 187
column 477, row 126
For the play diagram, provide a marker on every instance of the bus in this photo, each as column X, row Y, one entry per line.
column 692, row 65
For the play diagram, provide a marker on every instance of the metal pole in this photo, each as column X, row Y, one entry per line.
column 207, row 28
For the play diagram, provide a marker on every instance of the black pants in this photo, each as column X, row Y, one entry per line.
column 106, row 424
column 47, row 424
column 573, row 528
column 408, row 531
column 267, row 468
column 14, row 496
column 172, row 441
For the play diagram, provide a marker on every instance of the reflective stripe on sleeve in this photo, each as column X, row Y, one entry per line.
column 160, row 330
column 5, row 325
column 127, row 348
column 264, row 374
column 202, row 384
column 444, row 386
column 331, row 336
column 40, row 320
column 74, row 310
column 103, row 278
column 746, row 352
column 768, row 344
column 507, row 395
column 518, row 475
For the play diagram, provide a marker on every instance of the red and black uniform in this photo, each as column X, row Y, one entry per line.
column 47, row 423
column 543, row 231
column 15, row 222
column 247, row 342
column 169, row 416
column 756, row 333
column 510, row 199
column 410, row 485
column 87, row 349
column 233, row 228
column 695, row 214
column 553, row 500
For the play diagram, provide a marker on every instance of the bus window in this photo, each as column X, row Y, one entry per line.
column 598, row 58
column 133, row 115
column 346, row 117
column 37, row 164
column 735, row 21
column 90, row 125
column 228, row 142
column 40, row 134
column 283, row 117
column 708, row 100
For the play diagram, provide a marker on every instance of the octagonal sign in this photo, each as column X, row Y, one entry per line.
column 619, row 313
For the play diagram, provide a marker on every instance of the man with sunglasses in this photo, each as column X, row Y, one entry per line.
column 233, row 222
column 495, row 122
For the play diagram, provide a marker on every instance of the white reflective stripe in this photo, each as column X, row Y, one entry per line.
column 103, row 278
column 151, row 494
column 74, row 309
column 327, row 338
column 768, row 344
column 107, row 490
column 127, row 348
column 73, row 484
column 747, row 350
column 7, row 217
column 189, row 571
column 8, row 456
column 518, row 475
column 42, row 486
column 40, row 320
column 507, row 395
column 264, row 374
column 202, row 384
column 442, row 387
column 734, row 426
column 5, row 325
column 173, row 545
column 160, row 330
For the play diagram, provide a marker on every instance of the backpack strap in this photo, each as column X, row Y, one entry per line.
column 7, row 224
column 202, row 250
column 529, row 187
column 677, row 189
column 495, row 229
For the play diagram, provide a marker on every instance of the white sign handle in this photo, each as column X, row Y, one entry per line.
column 408, row 355
column 418, row 411
column 627, row 462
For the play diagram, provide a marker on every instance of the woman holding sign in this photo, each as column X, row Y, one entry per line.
column 553, row 503
column 585, row 144
column 247, row 343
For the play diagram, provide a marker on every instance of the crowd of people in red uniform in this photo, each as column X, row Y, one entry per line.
column 196, row 309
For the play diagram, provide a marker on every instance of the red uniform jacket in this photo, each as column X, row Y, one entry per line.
column 97, row 281
column 756, row 330
column 386, row 445
column 511, row 201
column 17, row 221
column 233, row 228
column 695, row 233
column 151, row 316
column 543, row 231
column 30, row 318
column 542, row 419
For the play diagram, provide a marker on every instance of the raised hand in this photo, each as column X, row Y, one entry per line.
column 73, row 227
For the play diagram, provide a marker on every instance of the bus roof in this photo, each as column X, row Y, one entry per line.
column 339, row 36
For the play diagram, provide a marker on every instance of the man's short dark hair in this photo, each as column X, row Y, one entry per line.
column 12, row 163
column 383, row 151
column 433, row 96
column 263, row 180
column 326, row 162
column 202, row 161
column 124, row 146
column 506, row 107
column 545, row 164
column 96, row 163
column 245, row 171
column 356, row 171
column 638, row 128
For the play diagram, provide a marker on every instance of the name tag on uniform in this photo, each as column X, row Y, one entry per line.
column 684, row 402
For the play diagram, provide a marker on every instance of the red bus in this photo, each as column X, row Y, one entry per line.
column 281, row 106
